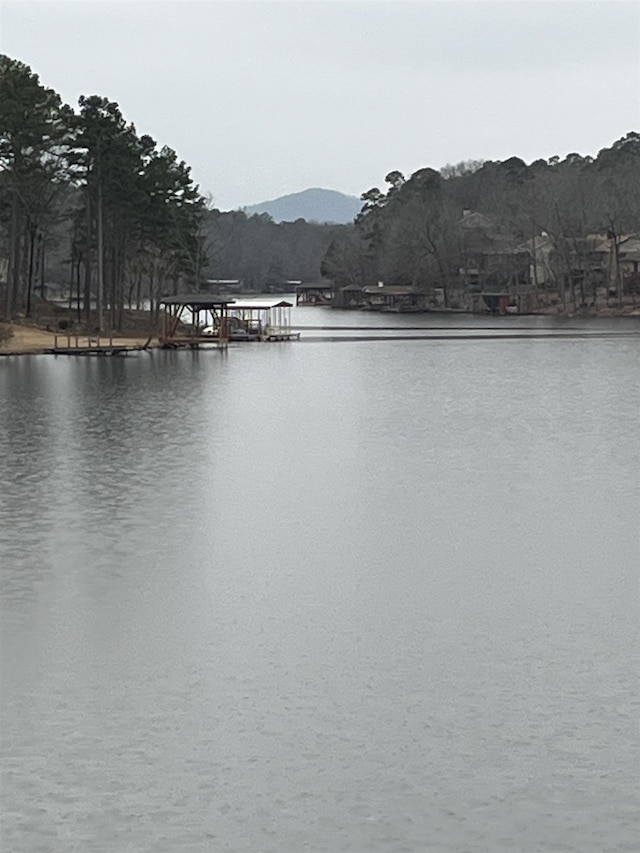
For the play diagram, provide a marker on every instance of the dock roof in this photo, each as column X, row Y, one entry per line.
column 321, row 285
column 196, row 300
column 261, row 305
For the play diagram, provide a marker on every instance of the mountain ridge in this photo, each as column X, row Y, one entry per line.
column 314, row 204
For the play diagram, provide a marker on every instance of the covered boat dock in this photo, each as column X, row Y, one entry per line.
column 186, row 316
column 192, row 320
column 259, row 320
column 314, row 294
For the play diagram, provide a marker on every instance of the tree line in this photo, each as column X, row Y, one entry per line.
column 264, row 254
column 117, row 219
column 126, row 209
column 87, row 202
column 425, row 231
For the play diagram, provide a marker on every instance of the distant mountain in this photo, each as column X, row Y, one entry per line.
column 314, row 205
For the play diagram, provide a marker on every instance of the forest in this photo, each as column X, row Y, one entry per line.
column 91, row 208
column 113, row 219
column 569, row 226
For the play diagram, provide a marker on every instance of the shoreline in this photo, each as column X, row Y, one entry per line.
column 33, row 340
column 30, row 339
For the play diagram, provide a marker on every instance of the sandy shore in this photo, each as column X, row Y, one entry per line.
column 29, row 340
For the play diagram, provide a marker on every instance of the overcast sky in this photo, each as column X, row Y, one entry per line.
column 267, row 98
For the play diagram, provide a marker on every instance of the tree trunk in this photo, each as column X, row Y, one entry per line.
column 87, row 264
column 100, row 294
column 32, row 246
column 152, row 287
column 14, row 254
column 42, row 254
column 24, row 271
column 78, row 290
column 119, row 287
column 534, row 255
column 72, row 264
column 618, row 276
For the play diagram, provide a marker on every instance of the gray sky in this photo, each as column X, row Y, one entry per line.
column 266, row 98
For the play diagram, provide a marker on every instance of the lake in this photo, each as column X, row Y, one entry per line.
column 326, row 595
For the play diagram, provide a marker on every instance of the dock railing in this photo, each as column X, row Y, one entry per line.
column 69, row 341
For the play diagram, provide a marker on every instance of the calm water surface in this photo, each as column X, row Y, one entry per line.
column 354, row 596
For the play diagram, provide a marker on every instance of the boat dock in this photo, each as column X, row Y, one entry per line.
column 94, row 345
column 261, row 321
column 213, row 321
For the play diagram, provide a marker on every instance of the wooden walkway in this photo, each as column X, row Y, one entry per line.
column 215, row 342
column 93, row 345
column 193, row 342
column 281, row 336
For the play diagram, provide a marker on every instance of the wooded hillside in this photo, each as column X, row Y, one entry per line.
column 491, row 225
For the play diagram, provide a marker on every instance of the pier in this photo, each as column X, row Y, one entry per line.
column 101, row 345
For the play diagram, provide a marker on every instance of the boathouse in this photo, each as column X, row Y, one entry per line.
column 186, row 316
column 259, row 320
column 393, row 297
column 350, row 296
column 314, row 294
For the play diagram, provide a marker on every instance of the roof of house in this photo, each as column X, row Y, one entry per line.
column 474, row 219
column 504, row 247
column 628, row 244
column 536, row 243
